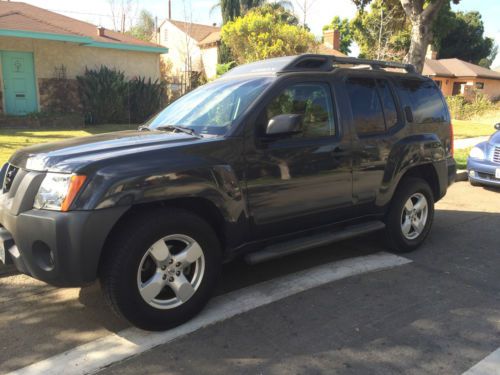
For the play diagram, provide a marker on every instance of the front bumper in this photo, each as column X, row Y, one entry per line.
column 483, row 172
column 60, row 248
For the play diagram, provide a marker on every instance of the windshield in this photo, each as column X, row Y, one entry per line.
column 211, row 109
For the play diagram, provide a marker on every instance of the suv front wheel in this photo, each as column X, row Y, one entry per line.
column 160, row 268
column 410, row 216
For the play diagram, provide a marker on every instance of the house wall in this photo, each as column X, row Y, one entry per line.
column 183, row 50
column 491, row 86
column 49, row 55
column 210, row 57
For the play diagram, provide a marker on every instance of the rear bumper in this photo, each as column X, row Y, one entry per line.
column 60, row 248
column 483, row 172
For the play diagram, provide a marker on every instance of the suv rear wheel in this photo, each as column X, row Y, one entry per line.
column 410, row 216
column 160, row 268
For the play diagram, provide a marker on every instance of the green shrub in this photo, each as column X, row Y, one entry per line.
column 461, row 109
column 108, row 97
column 224, row 68
column 146, row 97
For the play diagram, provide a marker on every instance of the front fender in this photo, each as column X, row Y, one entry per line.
column 217, row 184
column 410, row 152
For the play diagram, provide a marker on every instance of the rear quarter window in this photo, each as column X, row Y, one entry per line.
column 424, row 99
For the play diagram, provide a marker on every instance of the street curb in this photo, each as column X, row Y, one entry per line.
column 462, row 175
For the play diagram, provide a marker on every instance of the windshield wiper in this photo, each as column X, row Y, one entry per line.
column 177, row 128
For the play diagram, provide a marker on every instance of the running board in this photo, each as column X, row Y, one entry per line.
column 304, row 243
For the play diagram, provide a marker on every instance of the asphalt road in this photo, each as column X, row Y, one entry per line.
column 438, row 314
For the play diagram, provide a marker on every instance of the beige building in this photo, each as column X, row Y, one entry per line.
column 192, row 47
column 457, row 77
column 40, row 49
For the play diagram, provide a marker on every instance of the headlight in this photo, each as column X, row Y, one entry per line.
column 58, row 191
column 477, row 153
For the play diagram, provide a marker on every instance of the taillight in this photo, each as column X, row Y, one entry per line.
column 452, row 142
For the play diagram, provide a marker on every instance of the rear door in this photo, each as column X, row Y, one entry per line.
column 375, row 121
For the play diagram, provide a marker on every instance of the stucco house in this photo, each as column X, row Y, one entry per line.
column 195, row 47
column 39, row 48
column 457, row 77
column 192, row 47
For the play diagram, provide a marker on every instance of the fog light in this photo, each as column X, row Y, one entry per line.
column 44, row 257
column 472, row 173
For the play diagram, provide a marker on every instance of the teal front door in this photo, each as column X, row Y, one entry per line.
column 19, row 83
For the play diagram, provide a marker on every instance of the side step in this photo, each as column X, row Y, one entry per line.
column 304, row 243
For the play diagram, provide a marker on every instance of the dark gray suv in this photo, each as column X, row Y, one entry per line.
column 273, row 158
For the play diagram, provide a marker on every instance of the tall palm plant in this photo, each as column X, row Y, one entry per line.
column 231, row 9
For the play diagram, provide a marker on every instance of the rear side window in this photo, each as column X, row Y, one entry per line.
column 424, row 99
column 390, row 111
column 365, row 105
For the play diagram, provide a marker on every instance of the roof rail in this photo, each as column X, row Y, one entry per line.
column 316, row 62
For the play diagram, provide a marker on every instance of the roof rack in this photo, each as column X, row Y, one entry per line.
column 315, row 62
column 310, row 62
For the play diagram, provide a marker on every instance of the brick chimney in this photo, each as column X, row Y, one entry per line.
column 100, row 31
column 331, row 39
column 431, row 53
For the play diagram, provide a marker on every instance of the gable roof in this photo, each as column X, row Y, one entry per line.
column 325, row 50
column 457, row 68
column 196, row 31
column 211, row 38
column 19, row 19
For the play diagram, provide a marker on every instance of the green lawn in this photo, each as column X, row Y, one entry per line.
column 471, row 128
column 461, row 157
column 11, row 139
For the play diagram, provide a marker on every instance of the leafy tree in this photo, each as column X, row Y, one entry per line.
column 262, row 34
column 234, row 8
column 421, row 14
column 461, row 35
column 230, row 9
column 346, row 36
column 383, row 32
column 145, row 27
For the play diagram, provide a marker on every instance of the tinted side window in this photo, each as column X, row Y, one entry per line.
column 390, row 112
column 424, row 99
column 311, row 100
column 365, row 104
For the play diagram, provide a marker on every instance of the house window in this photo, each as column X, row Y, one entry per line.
column 438, row 83
column 165, row 35
column 479, row 85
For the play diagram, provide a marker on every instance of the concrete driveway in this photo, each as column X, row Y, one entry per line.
column 329, row 310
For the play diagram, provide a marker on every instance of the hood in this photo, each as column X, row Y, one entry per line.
column 495, row 139
column 67, row 155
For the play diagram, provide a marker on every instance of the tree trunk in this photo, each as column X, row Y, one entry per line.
column 421, row 30
column 421, row 36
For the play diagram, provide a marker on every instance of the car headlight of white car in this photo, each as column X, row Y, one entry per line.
column 58, row 191
column 477, row 153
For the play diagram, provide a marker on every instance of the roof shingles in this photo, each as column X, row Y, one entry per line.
column 457, row 68
column 24, row 17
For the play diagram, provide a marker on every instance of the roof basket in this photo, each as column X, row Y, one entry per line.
column 327, row 63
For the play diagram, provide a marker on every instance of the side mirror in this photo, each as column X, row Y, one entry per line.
column 284, row 124
column 497, row 126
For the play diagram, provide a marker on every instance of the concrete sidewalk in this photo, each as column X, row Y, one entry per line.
column 468, row 142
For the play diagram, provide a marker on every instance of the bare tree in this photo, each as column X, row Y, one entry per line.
column 304, row 7
column 122, row 13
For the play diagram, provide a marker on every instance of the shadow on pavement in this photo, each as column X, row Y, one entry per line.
column 398, row 310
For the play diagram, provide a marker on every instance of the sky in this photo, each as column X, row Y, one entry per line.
column 320, row 12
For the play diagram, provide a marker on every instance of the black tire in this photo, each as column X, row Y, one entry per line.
column 124, row 253
column 395, row 238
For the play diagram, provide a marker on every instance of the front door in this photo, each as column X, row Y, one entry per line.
column 302, row 180
column 19, row 83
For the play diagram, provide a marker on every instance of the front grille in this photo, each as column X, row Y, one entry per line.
column 10, row 175
column 487, row 176
column 496, row 155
